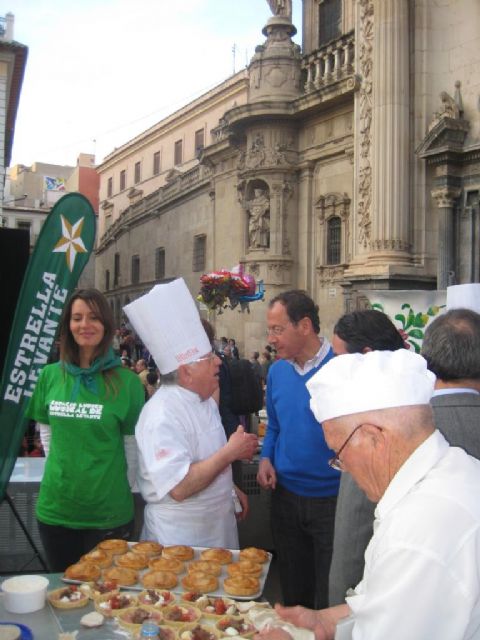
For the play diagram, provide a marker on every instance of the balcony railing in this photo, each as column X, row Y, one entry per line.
column 329, row 64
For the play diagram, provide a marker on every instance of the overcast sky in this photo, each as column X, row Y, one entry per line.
column 101, row 71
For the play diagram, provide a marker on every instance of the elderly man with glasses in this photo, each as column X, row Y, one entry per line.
column 185, row 460
column 304, row 492
column 422, row 565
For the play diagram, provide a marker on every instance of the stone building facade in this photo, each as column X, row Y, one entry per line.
column 349, row 164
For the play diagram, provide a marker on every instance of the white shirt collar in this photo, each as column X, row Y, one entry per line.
column 412, row 471
column 313, row 362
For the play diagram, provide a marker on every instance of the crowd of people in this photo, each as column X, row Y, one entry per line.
column 371, row 455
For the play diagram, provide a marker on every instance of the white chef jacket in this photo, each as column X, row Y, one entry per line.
column 422, row 565
column 177, row 428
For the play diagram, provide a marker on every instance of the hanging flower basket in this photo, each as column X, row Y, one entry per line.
column 227, row 290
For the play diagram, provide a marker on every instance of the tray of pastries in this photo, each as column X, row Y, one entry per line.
column 186, row 572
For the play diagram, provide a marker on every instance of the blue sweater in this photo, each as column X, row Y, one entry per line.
column 294, row 441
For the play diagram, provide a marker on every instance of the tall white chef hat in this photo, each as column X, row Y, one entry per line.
column 167, row 320
column 466, row 296
column 357, row 382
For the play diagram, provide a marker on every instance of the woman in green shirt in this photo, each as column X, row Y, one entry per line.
column 89, row 404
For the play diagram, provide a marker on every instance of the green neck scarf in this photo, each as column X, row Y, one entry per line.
column 87, row 376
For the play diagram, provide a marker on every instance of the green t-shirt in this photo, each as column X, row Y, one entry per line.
column 85, row 482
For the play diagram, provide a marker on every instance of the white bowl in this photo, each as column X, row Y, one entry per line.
column 24, row 594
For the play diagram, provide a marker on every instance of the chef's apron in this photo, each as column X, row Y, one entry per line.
column 207, row 518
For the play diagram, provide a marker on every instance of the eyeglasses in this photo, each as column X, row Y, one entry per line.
column 210, row 356
column 335, row 462
column 276, row 330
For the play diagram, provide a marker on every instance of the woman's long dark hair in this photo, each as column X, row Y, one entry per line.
column 69, row 351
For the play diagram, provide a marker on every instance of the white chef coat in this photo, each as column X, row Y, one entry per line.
column 177, row 428
column 422, row 565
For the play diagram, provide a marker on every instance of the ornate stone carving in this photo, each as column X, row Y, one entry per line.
column 451, row 107
column 445, row 196
column 258, row 208
column 329, row 274
column 390, row 245
column 333, row 204
column 365, row 103
column 281, row 7
column 279, row 268
column 254, row 268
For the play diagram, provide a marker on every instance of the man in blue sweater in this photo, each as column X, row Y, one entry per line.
column 294, row 460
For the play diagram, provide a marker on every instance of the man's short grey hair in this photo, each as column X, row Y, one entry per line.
column 451, row 345
column 169, row 378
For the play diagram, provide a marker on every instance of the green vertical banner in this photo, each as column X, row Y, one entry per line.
column 59, row 257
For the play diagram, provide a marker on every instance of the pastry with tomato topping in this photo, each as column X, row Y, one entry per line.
column 198, row 632
column 111, row 604
column 179, row 551
column 213, row 607
column 99, row 588
column 200, row 581
column 178, row 615
column 167, row 564
column 134, row 617
column 220, row 556
column 231, row 626
column 70, row 597
column 156, row 598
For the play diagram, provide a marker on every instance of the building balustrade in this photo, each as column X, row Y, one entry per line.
column 330, row 64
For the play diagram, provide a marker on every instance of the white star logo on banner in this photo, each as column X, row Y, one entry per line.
column 70, row 243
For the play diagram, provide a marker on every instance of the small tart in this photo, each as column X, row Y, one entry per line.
column 101, row 587
column 113, row 546
column 132, row 560
column 178, row 551
column 221, row 556
column 254, row 554
column 83, row 571
column 213, row 568
column 245, row 567
column 181, row 615
column 156, row 598
column 134, row 617
column 167, row 564
column 200, row 581
column 212, row 607
column 235, row 626
column 198, row 632
column 159, row 580
column 99, row 557
column 111, row 604
column 241, row 585
column 125, row 577
column 70, row 597
column 148, row 547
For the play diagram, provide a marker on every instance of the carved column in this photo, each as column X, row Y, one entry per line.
column 445, row 198
column 390, row 140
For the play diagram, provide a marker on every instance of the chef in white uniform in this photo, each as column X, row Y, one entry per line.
column 185, row 461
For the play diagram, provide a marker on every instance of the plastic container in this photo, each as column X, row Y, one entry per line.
column 24, row 594
column 149, row 630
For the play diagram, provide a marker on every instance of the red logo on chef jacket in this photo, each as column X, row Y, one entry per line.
column 161, row 453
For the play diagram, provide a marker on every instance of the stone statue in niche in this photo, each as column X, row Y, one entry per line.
column 258, row 208
column 281, row 7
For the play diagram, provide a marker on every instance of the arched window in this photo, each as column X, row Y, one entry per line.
column 334, row 240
